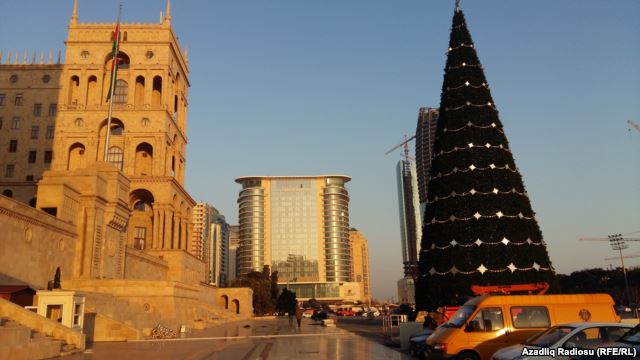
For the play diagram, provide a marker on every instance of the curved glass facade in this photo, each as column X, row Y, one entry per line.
column 336, row 230
column 251, row 234
column 299, row 225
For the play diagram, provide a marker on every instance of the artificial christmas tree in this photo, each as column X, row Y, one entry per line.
column 479, row 228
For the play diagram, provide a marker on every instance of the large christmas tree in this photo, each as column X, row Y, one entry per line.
column 479, row 228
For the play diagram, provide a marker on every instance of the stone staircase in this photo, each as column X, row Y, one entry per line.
column 18, row 342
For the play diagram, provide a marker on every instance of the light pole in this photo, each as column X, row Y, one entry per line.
column 617, row 243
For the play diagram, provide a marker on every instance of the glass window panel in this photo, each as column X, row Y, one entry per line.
column 294, row 231
column 530, row 317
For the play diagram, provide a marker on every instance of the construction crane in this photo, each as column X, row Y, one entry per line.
column 634, row 125
column 405, row 145
column 606, row 239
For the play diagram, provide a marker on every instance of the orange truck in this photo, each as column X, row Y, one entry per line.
column 487, row 323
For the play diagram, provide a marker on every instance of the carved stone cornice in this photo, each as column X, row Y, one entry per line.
column 118, row 222
column 36, row 222
column 137, row 180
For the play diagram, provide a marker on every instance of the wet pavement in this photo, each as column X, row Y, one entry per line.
column 252, row 339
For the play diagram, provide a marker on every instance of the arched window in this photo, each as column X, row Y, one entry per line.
column 144, row 159
column 141, row 206
column 8, row 193
column 115, row 155
column 92, row 86
column 156, row 98
column 141, row 222
column 121, row 92
column 76, row 157
column 117, row 127
column 139, row 96
column 74, row 90
column 123, row 61
column 176, row 96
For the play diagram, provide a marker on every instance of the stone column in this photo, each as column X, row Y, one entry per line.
column 167, row 229
column 176, row 231
column 156, row 228
column 160, row 227
column 183, row 235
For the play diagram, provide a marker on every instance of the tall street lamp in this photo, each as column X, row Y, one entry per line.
column 617, row 243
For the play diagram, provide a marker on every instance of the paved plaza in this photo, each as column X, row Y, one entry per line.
column 248, row 340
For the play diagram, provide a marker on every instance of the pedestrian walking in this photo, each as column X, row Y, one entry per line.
column 291, row 316
column 299, row 312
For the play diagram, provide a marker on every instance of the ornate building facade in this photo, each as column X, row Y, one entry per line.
column 148, row 129
column 113, row 216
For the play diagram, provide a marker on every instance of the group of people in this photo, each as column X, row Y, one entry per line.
column 433, row 319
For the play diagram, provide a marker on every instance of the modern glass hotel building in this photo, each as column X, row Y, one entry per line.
column 299, row 226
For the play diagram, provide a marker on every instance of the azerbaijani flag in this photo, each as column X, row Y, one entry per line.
column 114, row 56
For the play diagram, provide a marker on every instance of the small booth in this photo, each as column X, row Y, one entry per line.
column 62, row 306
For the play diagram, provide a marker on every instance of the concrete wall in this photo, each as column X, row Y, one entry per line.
column 183, row 267
column 232, row 298
column 141, row 266
column 33, row 244
column 175, row 303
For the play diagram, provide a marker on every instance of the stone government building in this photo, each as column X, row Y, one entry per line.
column 120, row 230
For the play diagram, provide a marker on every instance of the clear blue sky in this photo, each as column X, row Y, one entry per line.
column 289, row 87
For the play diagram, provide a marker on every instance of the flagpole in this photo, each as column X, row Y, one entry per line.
column 113, row 81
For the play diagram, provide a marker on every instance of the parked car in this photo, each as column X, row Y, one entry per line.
column 357, row 309
column 345, row 313
column 418, row 342
column 629, row 343
column 320, row 315
column 583, row 335
column 371, row 314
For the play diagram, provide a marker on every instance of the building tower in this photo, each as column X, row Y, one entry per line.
column 29, row 88
column 299, row 226
column 410, row 219
column 219, row 249
column 201, row 230
column 479, row 227
column 234, row 242
column 425, row 137
column 148, row 128
column 360, row 254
